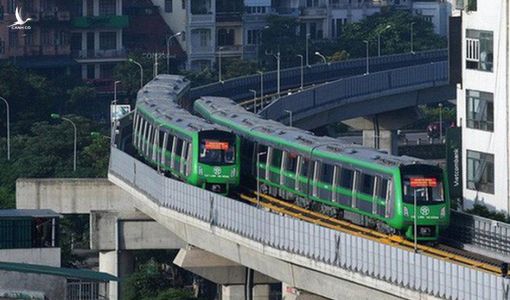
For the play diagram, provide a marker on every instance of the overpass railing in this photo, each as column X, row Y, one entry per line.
column 316, row 98
column 238, row 88
column 401, row 267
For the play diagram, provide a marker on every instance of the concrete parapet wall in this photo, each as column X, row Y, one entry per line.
column 70, row 196
column 35, row 256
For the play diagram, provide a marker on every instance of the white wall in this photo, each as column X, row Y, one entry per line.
column 490, row 16
column 176, row 20
column 35, row 256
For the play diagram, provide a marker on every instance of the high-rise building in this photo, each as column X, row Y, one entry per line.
column 483, row 109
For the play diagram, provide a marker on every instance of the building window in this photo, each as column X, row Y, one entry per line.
column 226, row 37
column 107, row 8
column 183, row 4
column 480, row 110
column 2, row 47
column 312, row 3
column 106, row 71
column 1, row 12
column 107, row 40
column 205, row 37
column 11, row 6
column 480, row 171
column 13, row 38
column 471, row 5
column 479, row 50
column 169, row 6
column 253, row 37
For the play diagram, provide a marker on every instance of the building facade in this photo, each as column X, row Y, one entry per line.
column 482, row 104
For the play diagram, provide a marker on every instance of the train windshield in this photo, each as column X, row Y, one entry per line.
column 423, row 182
column 217, row 148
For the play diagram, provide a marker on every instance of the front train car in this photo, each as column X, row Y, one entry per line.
column 180, row 144
column 424, row 196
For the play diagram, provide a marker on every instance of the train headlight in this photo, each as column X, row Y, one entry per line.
column 443, row 212
column 406, row 212
column 233, row 172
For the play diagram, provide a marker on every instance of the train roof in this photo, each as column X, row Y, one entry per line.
column 157, row 98
column 249, row 122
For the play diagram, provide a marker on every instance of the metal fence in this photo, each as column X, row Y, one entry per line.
column 238, row 88
column 342, row 90
column 85, row 290
column 485, row 233
column 410, row 270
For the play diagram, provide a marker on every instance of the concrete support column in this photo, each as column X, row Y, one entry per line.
column 232, row 292
column 261, row 292
column 383, row 139
column 118, row 263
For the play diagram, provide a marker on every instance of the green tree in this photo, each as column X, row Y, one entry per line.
column 238, row 67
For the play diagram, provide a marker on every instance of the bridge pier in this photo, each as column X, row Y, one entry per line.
column 237, row 281
column 118, row 263
column 380, row 130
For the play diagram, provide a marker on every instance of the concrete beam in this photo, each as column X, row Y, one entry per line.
column 70, row 196
column 136, row 232
column 216, row 268
column 391, row 120
column 379, row 103
column 300, row 272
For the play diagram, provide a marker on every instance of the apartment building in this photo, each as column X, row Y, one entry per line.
column 43, row 43
column 482, row 103
column 96, row 37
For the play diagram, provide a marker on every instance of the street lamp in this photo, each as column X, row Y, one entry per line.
column 368, row 67
column 141, row 70
column 290, row 117
column 115, row 91
column 254, row 101
column 259, row 42
column 258, row 177
column 219, row 64
column 168, row 50
column 278, row 58
column 302, row 72
column 261, row 89
column 379, row 39
column 412, row 37
column 8, row 129
column 440, row 122
column 59, row 117
column 321, row 56
column 307, row 56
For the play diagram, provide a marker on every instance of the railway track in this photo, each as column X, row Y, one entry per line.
column 440, row 251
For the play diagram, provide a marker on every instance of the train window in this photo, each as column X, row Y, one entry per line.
column 170, row 143
column 189, row 159
column 262, row 150
column 366, row 185
column 327, row 174
column 346, row 178
column 183, row 153
column 142, row 135
column 178, row 147
column 164, row 146
column 276, row 158
column 382, row 188
column 161, row 139
column 217, row 151
column 155, row 144
column 305, row 163
column 148, row 138
column 173, row 153
column 291, row 162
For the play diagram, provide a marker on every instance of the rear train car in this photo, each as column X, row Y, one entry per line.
column 180, row 144
column 339, row 179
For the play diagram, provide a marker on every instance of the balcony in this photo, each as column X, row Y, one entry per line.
column 53, row 16
column 202, row 18
column 109, row 22
column 314, row 12
column 229, row 17
column 100, row 54
column 230, row 50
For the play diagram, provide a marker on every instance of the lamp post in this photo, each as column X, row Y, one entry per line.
column 440, row 122
column 115, row 91
column 379, row 39
column 254, row 101
column 261, row 89
column 220, row 79
column 168, row 50
column 302, row 71
column 8, row 129
column 141, row 70
column 307, row 51
column 59, row 117
column 368, row 67
column 321, row 56
column 258, row 177
column 412, row 37
column 290, row 117
column 259, row 42
column 278, row 58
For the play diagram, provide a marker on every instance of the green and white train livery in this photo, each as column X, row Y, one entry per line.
column 180, row 144
column 377, row 188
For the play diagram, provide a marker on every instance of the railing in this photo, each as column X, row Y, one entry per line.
column 203, row 18
column 333, row 93
column 397, row 266
column 84, row 290
column 98, row 54
column 238, row 88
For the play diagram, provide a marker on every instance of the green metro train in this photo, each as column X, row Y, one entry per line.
column 376, row 188
column 349, row 180
column 180, row 144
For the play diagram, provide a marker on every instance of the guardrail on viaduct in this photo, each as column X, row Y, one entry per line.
column 401, row 267
column 238, row 88
column 352, row 89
